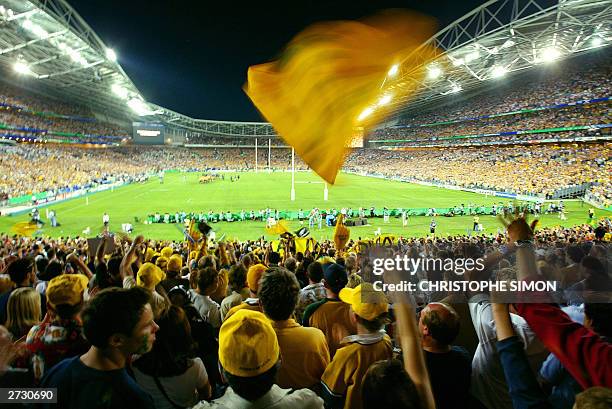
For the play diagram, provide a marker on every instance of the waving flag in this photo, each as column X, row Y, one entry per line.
column 332, row 79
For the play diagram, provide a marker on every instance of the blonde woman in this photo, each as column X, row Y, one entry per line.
column 23, row 311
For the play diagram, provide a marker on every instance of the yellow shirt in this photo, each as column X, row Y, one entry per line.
column 344, row 375
column 304, row 355
column 332, row 317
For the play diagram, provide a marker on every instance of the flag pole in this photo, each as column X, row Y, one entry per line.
column 269, row 155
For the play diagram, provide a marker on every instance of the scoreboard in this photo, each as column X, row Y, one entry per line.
column 148, row 133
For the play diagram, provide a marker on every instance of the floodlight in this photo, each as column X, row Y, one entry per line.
column 393, row 70
column 596, row 41
column 120, row 91
column 384, row 100
column 508, row 44
column 366, row 112
column 139, row 107
column 474, row 55
column 457, row 61
column 22, row 68
column 433, row 72
column 111, row 55
column 34, row 28
column 498, row 71
column 456, row 88
column 550, row 54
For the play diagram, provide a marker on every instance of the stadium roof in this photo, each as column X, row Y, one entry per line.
column 48, row 41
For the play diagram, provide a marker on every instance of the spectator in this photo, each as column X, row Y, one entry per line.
column 254, row 275
column 173, row 274
column 313, row 292
column 237, row 279
column 343, row 378
column 449, row 367
column 118, row 323
column 208, row 279
column 304, row 351
column 331, row 315
column 387, row 385
column 170, row 372
column 23, row 311
column 61, row 335
column 249, row 353
column 22, row 274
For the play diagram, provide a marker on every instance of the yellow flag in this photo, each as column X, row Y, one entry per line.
column 279, row 228
column 341, row 233
column 331, row 74
column 304, row 243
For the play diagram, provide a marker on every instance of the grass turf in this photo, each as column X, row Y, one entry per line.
column 182, row 192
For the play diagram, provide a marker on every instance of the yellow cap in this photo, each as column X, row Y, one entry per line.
column 166, row 252
column 149, row 275
column 247, row 344
column 175, row 263
column 66, row 289
column 365, row 301
column 254, row 275
column 161, row 262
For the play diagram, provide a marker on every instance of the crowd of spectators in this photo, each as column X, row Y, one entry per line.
column 216, row 140
column 582, row 115
column 35, row 168
column 583, row 78
column 157, row 324
column 535, row 169
column 21, row 109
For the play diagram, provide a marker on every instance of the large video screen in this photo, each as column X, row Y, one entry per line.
column 148, row 133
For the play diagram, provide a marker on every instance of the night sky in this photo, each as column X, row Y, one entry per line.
column 192, row 56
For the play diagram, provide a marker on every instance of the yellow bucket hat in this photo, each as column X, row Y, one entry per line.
column 167, row 252
column 66, row 289
column 365, row 301
column 149, row 275
column 247, row 344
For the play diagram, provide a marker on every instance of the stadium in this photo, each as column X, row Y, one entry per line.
column 378, row 137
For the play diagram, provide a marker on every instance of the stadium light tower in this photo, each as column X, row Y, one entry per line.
column 111, row 55
column 596, row 41
column 393, row 70
column 22, row 68
column 434, row 72
column 550, row 54
column 384, row 100
column 498, row 71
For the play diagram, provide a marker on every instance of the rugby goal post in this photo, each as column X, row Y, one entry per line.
column 293, row 182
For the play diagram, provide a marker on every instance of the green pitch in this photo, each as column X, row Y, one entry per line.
column 182, row 192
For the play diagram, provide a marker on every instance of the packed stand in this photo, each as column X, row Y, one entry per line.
column 546, row 168
column 120, row 322
column 22, row 109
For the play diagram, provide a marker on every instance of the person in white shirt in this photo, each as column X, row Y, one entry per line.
column 488, row 380
column 249, row 355
column 105, row 219
column 208, row 280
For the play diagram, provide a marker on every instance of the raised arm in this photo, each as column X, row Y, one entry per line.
column 523, row 386
column 414, row 362
column 73, row 258
column 129, row 258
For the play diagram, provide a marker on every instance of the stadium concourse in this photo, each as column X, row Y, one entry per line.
column 103, row 317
